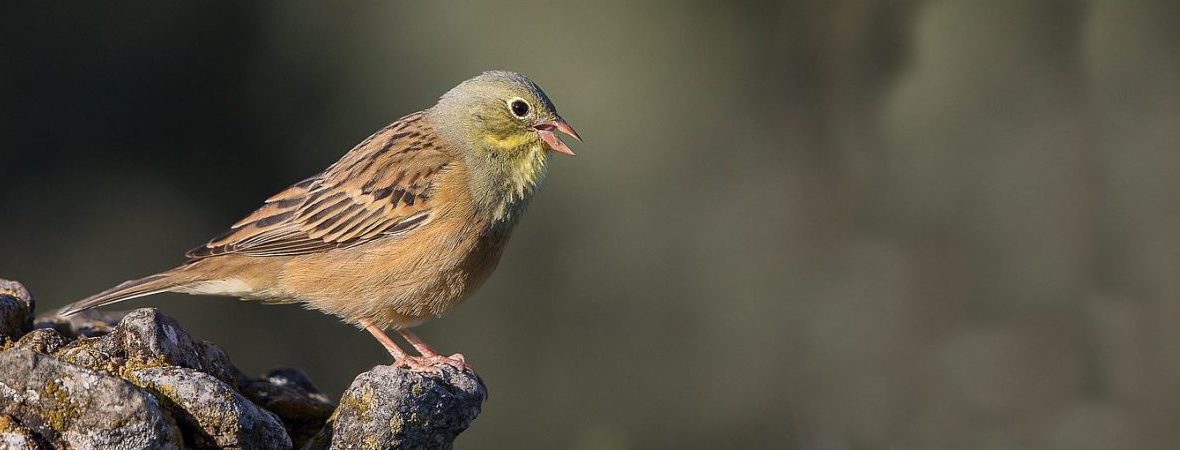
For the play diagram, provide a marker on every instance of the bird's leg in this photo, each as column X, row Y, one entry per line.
column 400, row 357
column 429, row 353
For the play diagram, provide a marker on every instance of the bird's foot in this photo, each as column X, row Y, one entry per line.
column 456, row 360
column 417, row 364
column 429, row 363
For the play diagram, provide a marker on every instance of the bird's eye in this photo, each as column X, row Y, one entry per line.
column 519, row 107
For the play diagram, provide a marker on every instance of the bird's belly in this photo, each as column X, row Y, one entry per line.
column 396, row 289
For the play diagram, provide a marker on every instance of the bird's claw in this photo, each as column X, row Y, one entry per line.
column 429, row 363
column 417, row 364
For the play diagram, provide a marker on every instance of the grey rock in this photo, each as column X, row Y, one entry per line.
column 89, row 323
column 14, row 436
column 16, row 311
column 41, row 340
column 290, row 394
column 215, row 361
column 138, row 380
column 67, row 405
column 212, row 413
column 147, row 333
column 147, row 337
column 390, row 407
column 292, row 378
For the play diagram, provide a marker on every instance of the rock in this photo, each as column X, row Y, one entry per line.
column 41, row 340
column 211, row 411
column 149, row 338
column 290, row 394
column 138, row 380
column 67, row 405
column 16, row 311
column 390, row 407
column 14, row 436
column 89, row 323
column 150, row 334
column 293, row 378
column 215, row 361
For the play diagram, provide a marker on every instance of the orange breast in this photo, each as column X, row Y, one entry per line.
column 401, row 280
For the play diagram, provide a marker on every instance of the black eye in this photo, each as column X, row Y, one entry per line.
column 519, row 107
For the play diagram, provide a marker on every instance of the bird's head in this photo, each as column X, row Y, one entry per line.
column 506, row 125
column 503, row 112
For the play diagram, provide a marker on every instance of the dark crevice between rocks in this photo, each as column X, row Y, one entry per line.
column 137, row 380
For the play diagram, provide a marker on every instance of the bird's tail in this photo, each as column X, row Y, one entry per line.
column 154, row 284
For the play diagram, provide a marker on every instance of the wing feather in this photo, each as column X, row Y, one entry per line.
column 382, row 187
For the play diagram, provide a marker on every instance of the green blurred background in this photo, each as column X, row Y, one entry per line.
column 819, row 225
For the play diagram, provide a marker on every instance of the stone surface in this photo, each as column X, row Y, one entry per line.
column 429, row 413
column 212, row 413
column 41, row 340
column 290, row 394
column 138, row 380
column 16, row 306
column 14, row 436
column 69, row 405
column 148, row 338
column 89, row 323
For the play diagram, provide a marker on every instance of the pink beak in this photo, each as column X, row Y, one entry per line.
column 550, row 138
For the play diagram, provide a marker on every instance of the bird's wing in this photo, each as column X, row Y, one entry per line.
column 382, row 187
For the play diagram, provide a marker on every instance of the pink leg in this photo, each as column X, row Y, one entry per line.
column 400, row 357
column 457, row 360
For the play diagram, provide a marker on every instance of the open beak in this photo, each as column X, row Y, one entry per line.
column 546, row 131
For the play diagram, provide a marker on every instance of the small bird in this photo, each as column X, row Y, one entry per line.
column 402, row 228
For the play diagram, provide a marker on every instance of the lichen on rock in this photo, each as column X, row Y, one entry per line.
column 68, row 405
column 16, row 312
column 290, row 394
column 138, row 380
column 14, row 436
column 213, row 413
column 430, row 413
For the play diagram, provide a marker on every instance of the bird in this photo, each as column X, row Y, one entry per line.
column 401, row 229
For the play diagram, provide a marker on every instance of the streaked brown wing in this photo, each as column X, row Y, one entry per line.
column 382, row 187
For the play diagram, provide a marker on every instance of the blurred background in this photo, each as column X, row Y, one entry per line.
column 818, row 225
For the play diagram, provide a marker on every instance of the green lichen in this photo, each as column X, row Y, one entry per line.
column 361, row 402
column 85, row 352
column 371, row 443
column 59, row 410
column 213, row 416
column 396, row 424
column 137, row 363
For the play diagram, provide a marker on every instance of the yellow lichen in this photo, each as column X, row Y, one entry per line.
column 6, row 424
column 360, row 402
column 396, row 424
column 417, row 421
column 370, row 443
column 60, row 409
column 128, row 368
column 83, row 353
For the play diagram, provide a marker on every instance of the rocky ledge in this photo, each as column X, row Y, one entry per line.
column 137, row 380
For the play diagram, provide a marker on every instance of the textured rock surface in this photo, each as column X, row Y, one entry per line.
column 16, row 307
column 211, row 411
column 436, row 409
column 69, row 405
column 290, row 394
column 138, row 380
column 13, row 436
